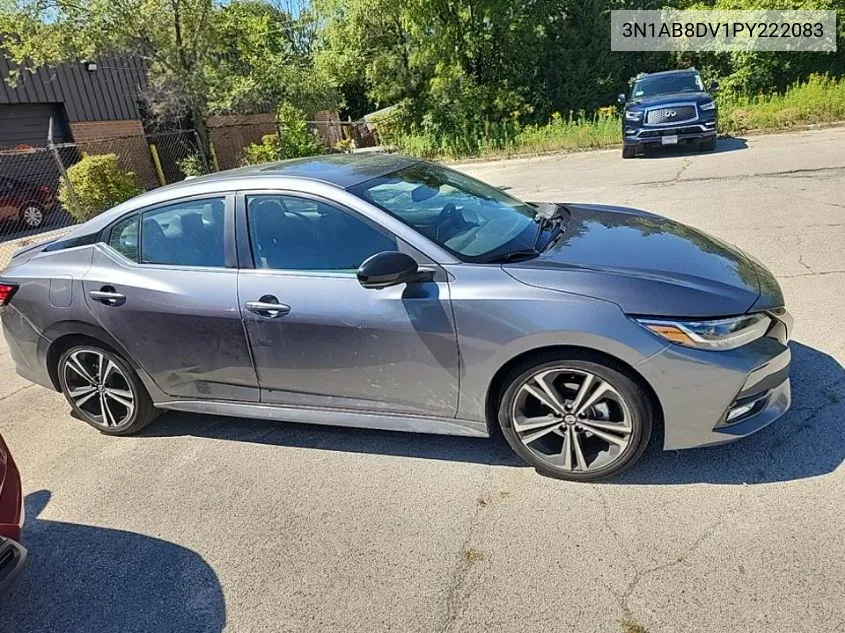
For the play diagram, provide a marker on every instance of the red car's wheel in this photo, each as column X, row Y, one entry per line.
column 32, row 215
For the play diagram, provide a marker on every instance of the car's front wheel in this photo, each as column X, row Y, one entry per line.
column 628, row 151
column 707, row 146
column 575, row 419
column 104, row 390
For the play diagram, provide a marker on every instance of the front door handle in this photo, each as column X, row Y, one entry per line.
column 268, row 306
column 108, row 296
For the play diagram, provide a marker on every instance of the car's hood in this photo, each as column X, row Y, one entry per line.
column 649, row 265
column 678, row 97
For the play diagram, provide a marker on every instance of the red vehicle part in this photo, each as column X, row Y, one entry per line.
column 12, row 554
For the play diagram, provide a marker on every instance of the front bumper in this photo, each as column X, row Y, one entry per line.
column 686, row 133
column 698, row 390
column 12, row 561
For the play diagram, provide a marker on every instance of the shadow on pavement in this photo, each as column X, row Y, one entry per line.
column 723, row 145
column 332, row 438
column 808, row 441
column 82, row 578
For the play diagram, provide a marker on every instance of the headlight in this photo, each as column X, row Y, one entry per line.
column 633, row 115
column 710, row 105
column 720, row 334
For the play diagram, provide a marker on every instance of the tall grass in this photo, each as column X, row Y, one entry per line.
column 820, row 99
column 569, row 133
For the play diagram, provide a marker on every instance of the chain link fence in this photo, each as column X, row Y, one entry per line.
column 344, row 135
column 32, row 177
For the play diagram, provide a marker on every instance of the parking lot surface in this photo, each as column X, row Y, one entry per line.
column 214, row 524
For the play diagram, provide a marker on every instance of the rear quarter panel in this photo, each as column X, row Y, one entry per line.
column 50, row 292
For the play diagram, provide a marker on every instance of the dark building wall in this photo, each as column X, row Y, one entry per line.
column 108, row 94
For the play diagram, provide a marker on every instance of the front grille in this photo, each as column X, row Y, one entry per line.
column 681, row 130
column 670, row 114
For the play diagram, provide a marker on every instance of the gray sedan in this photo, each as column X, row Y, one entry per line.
column 386, row 292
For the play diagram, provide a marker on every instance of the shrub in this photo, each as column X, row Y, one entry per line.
column 266, row 151
column 99, row 184
column 294, row 139
column 345, row 145
column 191, row 165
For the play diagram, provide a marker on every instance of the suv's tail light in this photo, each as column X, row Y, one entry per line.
column 6, row 292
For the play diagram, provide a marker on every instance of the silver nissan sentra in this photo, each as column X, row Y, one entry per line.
column 386, row 292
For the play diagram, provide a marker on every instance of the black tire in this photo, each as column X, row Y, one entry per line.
column 628, row 152
column 708, row 145
column 119, row 380
column 635, row 397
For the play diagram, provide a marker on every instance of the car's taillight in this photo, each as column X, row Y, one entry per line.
column 6, row 292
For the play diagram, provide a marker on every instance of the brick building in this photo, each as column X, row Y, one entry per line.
column 93, row 105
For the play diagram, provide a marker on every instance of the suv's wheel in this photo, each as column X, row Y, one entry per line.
column 628, row 151
column 575, row 419
column 707, row 146
column 31, row 215
column 104, row 390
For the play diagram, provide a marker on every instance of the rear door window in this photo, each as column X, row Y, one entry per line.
column 186, row 233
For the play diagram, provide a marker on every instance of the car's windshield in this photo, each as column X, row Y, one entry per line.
column 667, row 84
column 469, row 218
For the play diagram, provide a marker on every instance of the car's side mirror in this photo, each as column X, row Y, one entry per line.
column 390, row 268
column 620, row 98
column 713, row 87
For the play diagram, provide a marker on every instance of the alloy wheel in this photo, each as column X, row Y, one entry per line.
column 33, row 216
column 572, row 419
column 99, row 388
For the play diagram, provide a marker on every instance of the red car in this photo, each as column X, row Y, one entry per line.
column 12, row 553
column 25, row 203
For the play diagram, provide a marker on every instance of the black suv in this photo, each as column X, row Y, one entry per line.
column 668, row 108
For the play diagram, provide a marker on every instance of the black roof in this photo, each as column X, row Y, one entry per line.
column 342, row 170
column 662, row 73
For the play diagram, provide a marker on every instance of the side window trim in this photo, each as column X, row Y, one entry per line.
column 245, row 255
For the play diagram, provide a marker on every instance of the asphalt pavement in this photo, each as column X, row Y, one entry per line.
column 214, row 524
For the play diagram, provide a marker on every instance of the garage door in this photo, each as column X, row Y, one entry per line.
column 23, row 139
column 27, row 124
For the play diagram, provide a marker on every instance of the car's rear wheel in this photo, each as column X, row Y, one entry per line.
column 575, row 419
column 104, row 390
column 31, row 215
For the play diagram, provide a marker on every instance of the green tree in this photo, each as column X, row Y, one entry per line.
column 202, row 56
column 265, row 57
column 174, row 36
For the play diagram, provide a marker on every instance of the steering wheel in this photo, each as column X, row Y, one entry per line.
column 448, row 215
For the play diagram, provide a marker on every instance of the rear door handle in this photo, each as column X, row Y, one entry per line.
column 266, row 307
column 108, row 296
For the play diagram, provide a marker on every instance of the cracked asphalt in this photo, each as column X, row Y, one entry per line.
column 213, row 524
